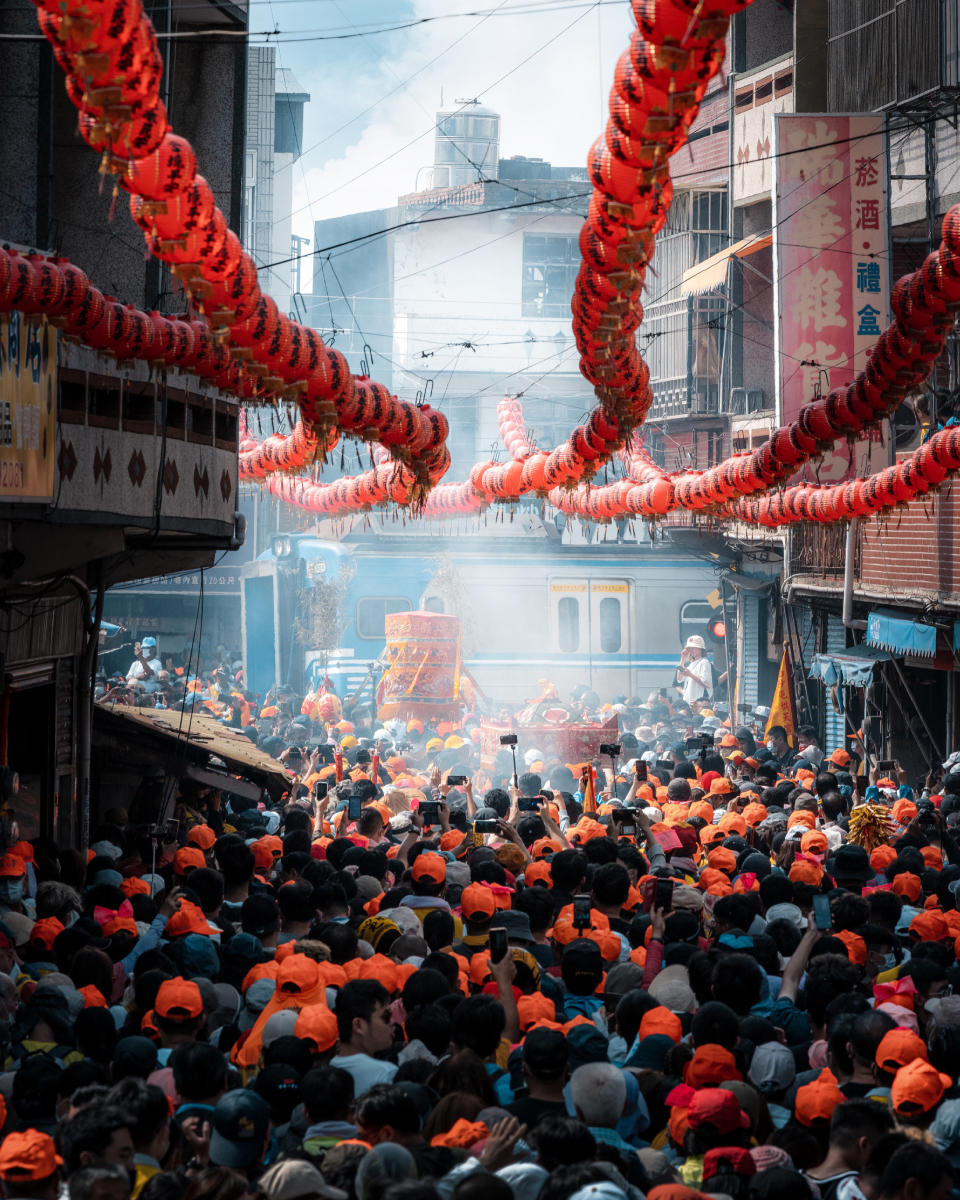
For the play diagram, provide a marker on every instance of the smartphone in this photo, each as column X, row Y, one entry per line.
column 320, row 789
column 326, row 753
column 640, row 768
column 498, row 945
column 821, row 911
column 456, row 780
column 354, row 808
column 508, row 739
column 610, row 749
column 581, row 912
column 648, row 893
column 486, row 826
column 886, row 765
column 663, row 897
column 430, row 811
column 530, row 804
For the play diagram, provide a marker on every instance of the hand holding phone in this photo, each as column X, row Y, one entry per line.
column 821, row 912
column 640, row 769
column 581, row 912
column 498, row 945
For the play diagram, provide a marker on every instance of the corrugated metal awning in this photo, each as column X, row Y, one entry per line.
column 892, row 631
column 853, row 667
column 711, row 274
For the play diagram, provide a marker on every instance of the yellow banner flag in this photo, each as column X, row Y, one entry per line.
column 781, row 709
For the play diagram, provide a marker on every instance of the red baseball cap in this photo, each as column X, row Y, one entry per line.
column 430, row 866
column 711, row 1063
column 179, row 999
column 717, row 1107
column 28, row 1157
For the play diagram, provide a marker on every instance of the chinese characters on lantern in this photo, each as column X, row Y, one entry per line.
column 830, row 258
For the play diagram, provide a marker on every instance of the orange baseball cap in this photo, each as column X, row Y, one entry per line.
column 904, row 811
column 201, row 836
column 187, row 858
column 733, row 821
column 898, row 1048
column 477, row 900
column 45, row 931
column 702, row 809
column 92, row 996
column 908, row 885
column 917, row 1088
column 134, row 886
column 271, row 842
column 881, row 857
column 728, row 742
column 661, row 1020
column 534, row 1009
column 929, row 926
column 298, row 975
column 179, row 999
column 711, row 1064
column 317, row 1025
column 802, row 816
column 430, row 866
column 12, row 866
column 754, row 813
column 480, row 967
column 932, row 857
column 816, row 1101
column 544, row 847
column 710, row 834
column 455, row 841
column 839, row 758
column 188, row 918
column 856, row 946
column 814, row 841
column 711, row 877
column 121, row 925
column 28, row 1157
column 538, row 872
column 722, row 859
column 721, row 787
column 806, row 872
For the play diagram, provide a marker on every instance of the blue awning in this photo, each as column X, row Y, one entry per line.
column 853, row 667
column 891, row 631
column 956, row 637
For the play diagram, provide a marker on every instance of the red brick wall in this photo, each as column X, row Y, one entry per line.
column 915, row 549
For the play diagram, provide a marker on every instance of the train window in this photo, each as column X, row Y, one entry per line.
column 568, row 624
column 372, row 612
column 609, row 624
column 695, row 617
column 433, row 604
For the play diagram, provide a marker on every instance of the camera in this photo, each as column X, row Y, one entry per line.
column 611, row 749
column 508, row 739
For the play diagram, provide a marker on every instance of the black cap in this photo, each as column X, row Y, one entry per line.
column 134, row 1056
column 279, row 1085
column 260, row 915
column 545, row 1053
column 240, row 1123
column 851, row 863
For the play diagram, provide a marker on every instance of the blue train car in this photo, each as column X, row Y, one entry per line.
column 611, row 616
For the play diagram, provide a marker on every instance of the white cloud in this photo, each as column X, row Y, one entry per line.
column 553, row 106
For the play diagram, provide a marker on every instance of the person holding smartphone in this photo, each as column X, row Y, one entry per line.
column 695, row 674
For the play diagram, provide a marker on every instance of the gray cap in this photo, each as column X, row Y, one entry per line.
column 517, row 925
column 772, row 1068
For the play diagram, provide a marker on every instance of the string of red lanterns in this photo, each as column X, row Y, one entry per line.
column 108, row 52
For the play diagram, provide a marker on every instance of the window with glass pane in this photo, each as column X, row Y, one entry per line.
column 372, row 612
column 550, row 266
column 609, row 625
column 568, row 624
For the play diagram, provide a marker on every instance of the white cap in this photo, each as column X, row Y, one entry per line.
column 695, row 641
column 532, row 755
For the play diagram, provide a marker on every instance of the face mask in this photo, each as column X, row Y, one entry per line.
column 771, row 745
column 889, row 962
column 70, row 919
column 11, row 891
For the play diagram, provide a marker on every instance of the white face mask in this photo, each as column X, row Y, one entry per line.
column 771, row 745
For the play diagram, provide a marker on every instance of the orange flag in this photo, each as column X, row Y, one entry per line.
column 781, row 709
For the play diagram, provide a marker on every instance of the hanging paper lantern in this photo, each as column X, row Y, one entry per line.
column 22, row 283
column 166, row 171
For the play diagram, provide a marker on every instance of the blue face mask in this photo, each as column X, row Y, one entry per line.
column 11, row 891
column 889, row 962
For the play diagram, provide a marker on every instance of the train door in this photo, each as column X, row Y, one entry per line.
column 590, row 628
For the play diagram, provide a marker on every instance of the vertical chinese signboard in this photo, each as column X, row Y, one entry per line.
column 28, row 389
column 830, row 263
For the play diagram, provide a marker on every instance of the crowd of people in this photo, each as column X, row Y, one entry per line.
column 714, row 964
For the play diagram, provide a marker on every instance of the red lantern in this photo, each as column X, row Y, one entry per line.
column 169, row 169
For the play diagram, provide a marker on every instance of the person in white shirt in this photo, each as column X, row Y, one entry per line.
column 365, row 1024
column 695, row 675
column 147, row 665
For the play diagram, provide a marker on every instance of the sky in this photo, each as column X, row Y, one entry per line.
column 545, row 65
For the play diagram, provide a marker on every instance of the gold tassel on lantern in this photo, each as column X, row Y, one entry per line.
column 870, row 826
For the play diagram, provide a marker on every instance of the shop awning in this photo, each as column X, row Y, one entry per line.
column 179, row 739
column 892, row 631
column 711, row 274
column 956, row 637
column 853, row 667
